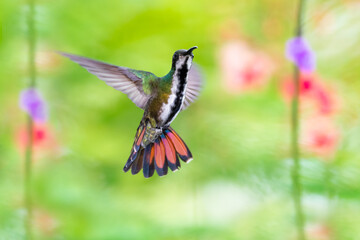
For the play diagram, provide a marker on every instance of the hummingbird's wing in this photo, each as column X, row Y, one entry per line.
column 194, row 85
column 124, row 79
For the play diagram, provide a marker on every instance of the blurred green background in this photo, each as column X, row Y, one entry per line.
column 239, row 185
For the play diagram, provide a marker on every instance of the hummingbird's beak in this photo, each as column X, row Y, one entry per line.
column 189, row 52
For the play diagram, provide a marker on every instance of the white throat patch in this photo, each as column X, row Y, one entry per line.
column 166, row 108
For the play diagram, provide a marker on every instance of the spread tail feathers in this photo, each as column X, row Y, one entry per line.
column 165, row 152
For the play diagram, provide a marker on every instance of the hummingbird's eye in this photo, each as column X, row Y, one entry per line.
column 175, row 57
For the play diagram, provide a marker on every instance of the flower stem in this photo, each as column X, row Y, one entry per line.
column 30, row 123
column 295, row 174
column 27, row 180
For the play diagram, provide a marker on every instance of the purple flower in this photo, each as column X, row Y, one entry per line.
column 32, row 103
column 299, row 52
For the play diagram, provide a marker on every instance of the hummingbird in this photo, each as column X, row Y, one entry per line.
column 156, row 146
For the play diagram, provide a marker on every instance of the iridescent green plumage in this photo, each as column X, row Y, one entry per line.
column 149, row 80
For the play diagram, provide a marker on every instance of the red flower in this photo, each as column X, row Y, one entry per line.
column 243, row 68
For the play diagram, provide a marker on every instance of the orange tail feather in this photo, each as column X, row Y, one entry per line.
column 180, row 146
column 163, row 153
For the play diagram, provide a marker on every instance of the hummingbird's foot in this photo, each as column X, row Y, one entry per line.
column 154, row 133
column 158, row 131
column 151, row 134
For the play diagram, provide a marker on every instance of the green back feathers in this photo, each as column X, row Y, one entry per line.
column 152, row 83
column 149, row 80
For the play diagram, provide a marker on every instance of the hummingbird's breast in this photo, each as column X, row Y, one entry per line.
column 170, row 108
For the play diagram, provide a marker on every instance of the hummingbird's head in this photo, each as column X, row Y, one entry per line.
column 182, row 57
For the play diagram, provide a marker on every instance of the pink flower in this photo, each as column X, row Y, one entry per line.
column 45, row 222
column 320, row 136
column 326, row 101
column 44, row 142
column 318, row 232
column 313, row 94
column 307, row 87
column 243, row 68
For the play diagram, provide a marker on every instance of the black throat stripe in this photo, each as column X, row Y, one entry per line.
column 182, row 75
